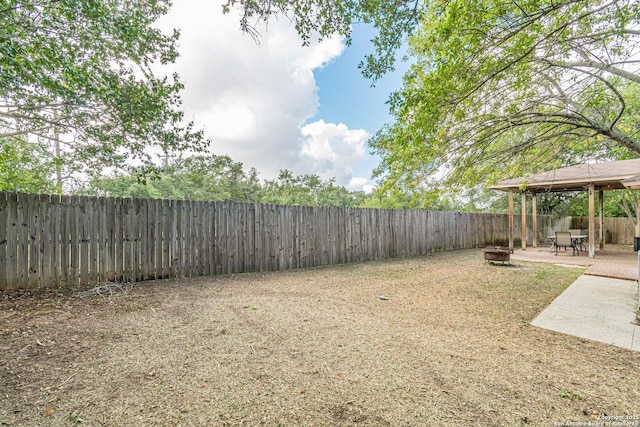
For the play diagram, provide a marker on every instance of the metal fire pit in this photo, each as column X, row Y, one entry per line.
column 497, row 253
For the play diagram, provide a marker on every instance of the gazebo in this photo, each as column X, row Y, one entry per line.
column 615, row 175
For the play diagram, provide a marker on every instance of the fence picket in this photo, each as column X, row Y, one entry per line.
column 94, row 239
column 147, row 230
column 32, row 222
column 3, row 238
column 118, row 240
column 166, row 219
column 45, row 245
column 155, row 238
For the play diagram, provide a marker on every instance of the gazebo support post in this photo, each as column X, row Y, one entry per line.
column 601, row 218
column 534, row 217
column 523, row 197
column 592, row 221
column 511, row 220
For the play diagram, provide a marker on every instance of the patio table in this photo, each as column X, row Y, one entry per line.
column 578, row 239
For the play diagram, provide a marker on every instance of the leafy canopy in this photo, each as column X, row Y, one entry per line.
column 503, row 88
column 394, row 20
column 25, row 167
column 79, row 74
column 219, row 178
column 204, row 178
column 307, row 190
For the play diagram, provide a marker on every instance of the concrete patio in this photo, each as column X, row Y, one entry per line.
column 612, row 263
column 600, row 305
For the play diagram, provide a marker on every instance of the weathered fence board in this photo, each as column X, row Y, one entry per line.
column 11, row 250
column 23, row 240
column 621, row 229
column 3, row 239
column 55, row 241
column 31, row 227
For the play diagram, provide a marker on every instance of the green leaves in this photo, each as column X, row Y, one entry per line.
column 80, row 72
column 25, row 167
column 394, row 20
column 500, row 89
column 209, row 178
column 217, row 178
column 307, row 190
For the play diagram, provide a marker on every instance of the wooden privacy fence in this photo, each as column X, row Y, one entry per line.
column 621, row 230
column 61, row 241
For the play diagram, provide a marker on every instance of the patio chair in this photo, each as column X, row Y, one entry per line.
column 563, row 239
column 544, row 241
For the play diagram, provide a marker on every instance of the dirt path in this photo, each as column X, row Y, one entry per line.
column 441, row 340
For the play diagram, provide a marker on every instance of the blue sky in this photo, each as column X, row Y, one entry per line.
column 346, row 96
column 278, row 105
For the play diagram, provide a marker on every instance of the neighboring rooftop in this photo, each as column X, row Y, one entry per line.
column 605, row 176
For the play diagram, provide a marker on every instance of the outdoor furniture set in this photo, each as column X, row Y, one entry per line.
column 574, row 239
column 569, row 239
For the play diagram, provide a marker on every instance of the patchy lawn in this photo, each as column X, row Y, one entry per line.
column 440, row 340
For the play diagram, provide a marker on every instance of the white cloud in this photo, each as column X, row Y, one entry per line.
column 331, row 149
column 358, row 183
column 253, row 100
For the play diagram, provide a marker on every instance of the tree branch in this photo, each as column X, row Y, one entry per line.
column 597, row 65
column 23, row 132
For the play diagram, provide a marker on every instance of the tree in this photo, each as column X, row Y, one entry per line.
column 632, row 209
column 219, row 178
column 25, row 167
column 307, row 190
column 375, row 202
column 79, row 73
column 394, row 20
column 501, row 89
column 213, row 178
column 204, row 178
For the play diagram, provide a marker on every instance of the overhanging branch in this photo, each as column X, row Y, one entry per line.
column 599, row 66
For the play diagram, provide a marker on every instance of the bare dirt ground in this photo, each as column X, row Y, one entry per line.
column 442, row 340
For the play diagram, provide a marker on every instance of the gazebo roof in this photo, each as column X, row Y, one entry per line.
column 605, row 176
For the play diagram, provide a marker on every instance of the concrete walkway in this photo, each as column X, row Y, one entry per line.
column 597, row 308
column 600, row 305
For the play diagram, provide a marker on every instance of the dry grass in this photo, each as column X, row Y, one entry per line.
column 450, row 346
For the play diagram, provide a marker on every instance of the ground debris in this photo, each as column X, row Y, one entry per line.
column 104, row 289
column 319, row 348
